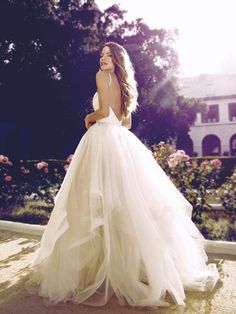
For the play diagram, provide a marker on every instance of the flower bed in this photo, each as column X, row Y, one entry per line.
column 28, row 186
column 218, row 225
column 201, row 182
column 28, row 189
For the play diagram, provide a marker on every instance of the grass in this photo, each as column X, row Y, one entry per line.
column 217, row 224
column 34, row 212
column 35, row 208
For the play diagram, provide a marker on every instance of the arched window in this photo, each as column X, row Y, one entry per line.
column 232, row 145
column 211, row 145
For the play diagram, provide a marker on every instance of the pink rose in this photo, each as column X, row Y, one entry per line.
column 204, row 164
column 181, row 155
column 185, row 157
column 172, row 161
column 41, row 165
column 8, row 178
column 45, row 170
column 216, row 163
column 69, row 158
column 66, row 167
column 177, row 157
column 4, row 159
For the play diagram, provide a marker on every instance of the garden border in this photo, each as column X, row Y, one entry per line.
column 219, row 247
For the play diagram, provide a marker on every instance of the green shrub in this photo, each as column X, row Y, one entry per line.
column 34, row 180
column 28, row 189
column 196, row 181
column 227, row 193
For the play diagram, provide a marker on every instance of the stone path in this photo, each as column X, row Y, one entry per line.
column 16, row 250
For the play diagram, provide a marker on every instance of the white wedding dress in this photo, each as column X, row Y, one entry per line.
column 119, row 226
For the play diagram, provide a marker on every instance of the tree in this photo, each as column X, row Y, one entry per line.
column 162, row 114
column 45, row 70
column 48, row 61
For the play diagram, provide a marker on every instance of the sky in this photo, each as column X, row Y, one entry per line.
column 207, row 30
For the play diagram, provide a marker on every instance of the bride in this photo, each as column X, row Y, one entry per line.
column 119, row 225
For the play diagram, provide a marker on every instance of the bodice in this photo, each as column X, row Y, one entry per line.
column 111, row 118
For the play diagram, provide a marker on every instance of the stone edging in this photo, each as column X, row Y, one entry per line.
column 219, row 247
column 21, row 227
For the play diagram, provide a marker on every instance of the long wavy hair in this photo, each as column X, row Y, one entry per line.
column 125, row 74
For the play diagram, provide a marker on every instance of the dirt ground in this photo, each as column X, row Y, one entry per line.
column 16, row 250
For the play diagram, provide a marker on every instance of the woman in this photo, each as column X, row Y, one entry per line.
column 119, row 225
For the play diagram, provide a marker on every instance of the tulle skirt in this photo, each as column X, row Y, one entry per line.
column 119, row 226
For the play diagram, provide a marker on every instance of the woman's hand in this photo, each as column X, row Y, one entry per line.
column 88, row 122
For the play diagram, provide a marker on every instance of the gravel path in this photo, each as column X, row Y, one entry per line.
column 16, row 250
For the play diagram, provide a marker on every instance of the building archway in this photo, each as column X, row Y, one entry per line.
column 211, row 145
column 232, row 145
column 185, row 143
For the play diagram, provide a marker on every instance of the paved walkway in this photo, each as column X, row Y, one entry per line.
column 16, row 250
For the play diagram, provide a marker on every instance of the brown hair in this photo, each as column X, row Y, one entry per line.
column 125, row 74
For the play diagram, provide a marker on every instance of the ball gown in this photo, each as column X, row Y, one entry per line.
column 119, row 226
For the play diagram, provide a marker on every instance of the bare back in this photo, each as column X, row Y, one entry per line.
column 115, row 96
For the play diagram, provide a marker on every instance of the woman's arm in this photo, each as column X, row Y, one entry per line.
column 102, row 81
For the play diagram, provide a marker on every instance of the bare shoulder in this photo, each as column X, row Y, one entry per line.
column 100, row 75
column 101, row 78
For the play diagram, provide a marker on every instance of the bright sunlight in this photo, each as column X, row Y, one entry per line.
column 206, row 30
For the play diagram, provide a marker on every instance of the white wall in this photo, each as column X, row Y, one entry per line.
column 222, row 91
column 223, row 129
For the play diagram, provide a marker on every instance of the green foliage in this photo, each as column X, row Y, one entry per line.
column 48, row 60
column 33, row 212
column 35, row 180
column 195, row 181
column 227, row 193
column 28, row 189
column 218, row 225
column 44, row 69
column 199, row 181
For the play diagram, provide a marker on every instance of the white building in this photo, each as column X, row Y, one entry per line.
column 213, row 133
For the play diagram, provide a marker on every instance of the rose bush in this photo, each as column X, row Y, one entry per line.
column 28, row 189
column 200, row 183
column 227, row 193
column 29, row 180
column 195, row 181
